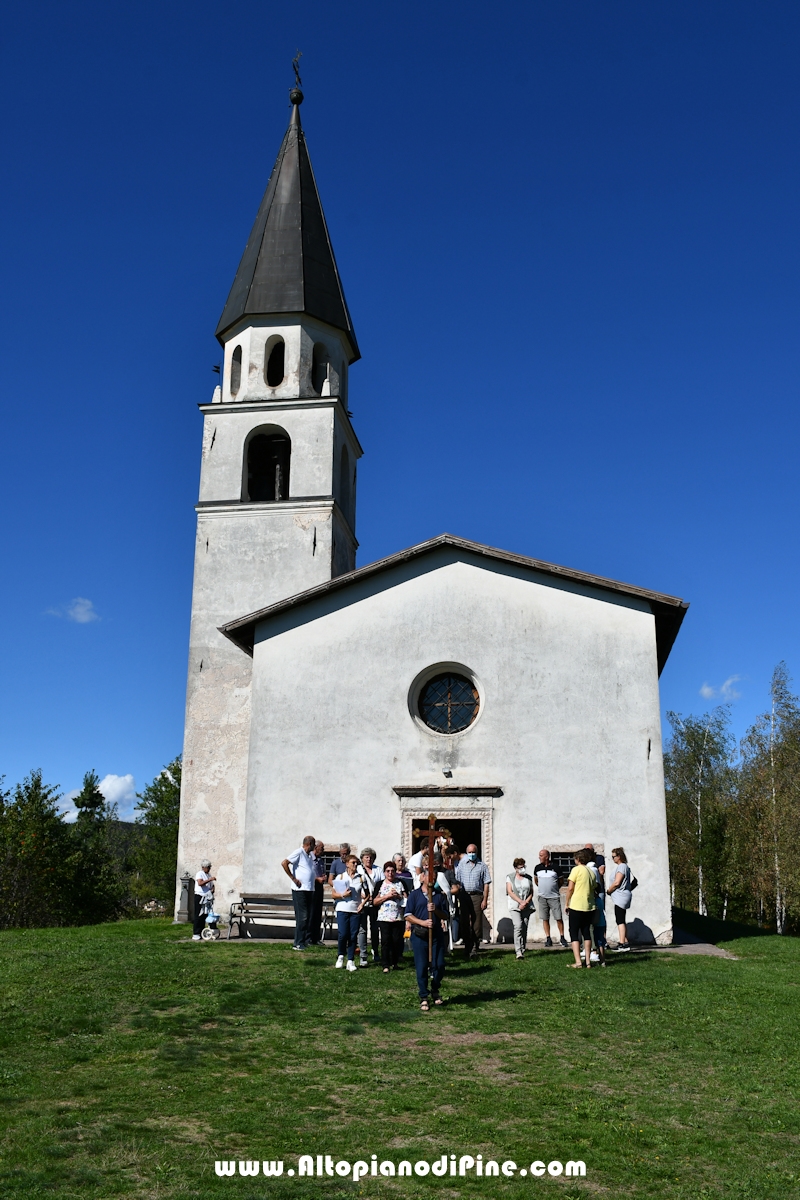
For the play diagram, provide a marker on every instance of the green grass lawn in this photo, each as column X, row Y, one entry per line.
column 132, row 1058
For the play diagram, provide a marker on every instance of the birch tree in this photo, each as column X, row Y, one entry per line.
column 770, row 802
column 699, row 790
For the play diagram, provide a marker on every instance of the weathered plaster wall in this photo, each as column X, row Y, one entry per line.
column 569, row 724
column 317, row 429
column 299, row 336
column 246, row 557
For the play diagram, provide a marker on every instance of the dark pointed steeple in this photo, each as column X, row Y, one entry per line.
column 288, row 265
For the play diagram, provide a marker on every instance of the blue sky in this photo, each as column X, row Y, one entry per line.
column 569, row 238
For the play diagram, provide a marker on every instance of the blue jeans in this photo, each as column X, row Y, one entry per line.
column 349, row 924
column 419, row 947
column 303, row 916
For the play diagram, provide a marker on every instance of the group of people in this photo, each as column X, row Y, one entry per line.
column 391, row 905
column 585, row 902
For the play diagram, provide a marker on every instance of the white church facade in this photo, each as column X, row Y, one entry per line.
column 516, row 699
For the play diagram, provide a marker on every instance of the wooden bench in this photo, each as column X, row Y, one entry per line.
column 273, row 910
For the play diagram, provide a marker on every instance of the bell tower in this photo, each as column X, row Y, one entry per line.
column 276, row 513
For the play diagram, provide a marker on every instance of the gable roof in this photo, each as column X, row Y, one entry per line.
column 668, row 611
column 288, row 265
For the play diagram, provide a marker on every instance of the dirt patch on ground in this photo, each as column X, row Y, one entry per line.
column 490, row 1070
column 472, row 1039
column 188, row 1131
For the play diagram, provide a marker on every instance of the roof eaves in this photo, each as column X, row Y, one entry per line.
column 670, row 609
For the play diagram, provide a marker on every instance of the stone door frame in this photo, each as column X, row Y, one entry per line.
column 452, row 804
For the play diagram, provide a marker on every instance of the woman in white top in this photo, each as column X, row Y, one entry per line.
column 348, row 891
column 621, row 887
column 203, row 887
column 390, row 901
column 519, row 890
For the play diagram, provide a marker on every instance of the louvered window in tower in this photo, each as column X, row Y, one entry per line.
column 268, row 458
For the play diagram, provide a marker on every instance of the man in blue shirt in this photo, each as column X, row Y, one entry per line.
column 422, row 916
column 474, row 877
column 339, row 865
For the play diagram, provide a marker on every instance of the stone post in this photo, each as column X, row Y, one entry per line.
column 183, row 914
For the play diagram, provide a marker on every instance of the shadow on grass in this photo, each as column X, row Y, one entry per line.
column 709, row 929
column 470, row 968
column 471, row 998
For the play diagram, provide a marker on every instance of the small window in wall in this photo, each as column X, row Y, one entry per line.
column 448, row 703
column 319, row 367
column 275, row 368
column 236, row 370
column 563, row 861
column 268, row 458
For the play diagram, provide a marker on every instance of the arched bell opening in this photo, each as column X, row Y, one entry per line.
column 274, row 362
column 267, row 463
column 320, row 362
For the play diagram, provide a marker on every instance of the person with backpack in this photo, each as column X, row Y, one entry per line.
column 598, row 954
column 622, row 887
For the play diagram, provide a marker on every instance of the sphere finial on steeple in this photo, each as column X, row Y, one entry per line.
column 295, row 95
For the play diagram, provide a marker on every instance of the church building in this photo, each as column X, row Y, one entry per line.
column 515, row 699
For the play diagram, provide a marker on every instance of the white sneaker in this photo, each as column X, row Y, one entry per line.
column 196, row 937
column 351, row 966
column 594, row 957
column 364, row 962
column 340, row 961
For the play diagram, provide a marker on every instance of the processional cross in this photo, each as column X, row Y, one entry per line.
column 431, row 833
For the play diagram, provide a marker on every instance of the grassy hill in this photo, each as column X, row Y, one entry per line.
column 132, row 1058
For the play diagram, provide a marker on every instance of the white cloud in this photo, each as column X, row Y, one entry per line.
column 725, row 692
column 67, row 809
column 120, row 790
column 81, row 610
column 728, row 690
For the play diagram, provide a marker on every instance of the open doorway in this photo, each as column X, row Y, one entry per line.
column 463, row 832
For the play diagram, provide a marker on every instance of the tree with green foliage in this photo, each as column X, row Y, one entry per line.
column 700, row 795
column 770, row 803
column 90, row 801
column 157, row 853
column 35, row 856
column 99, row 889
